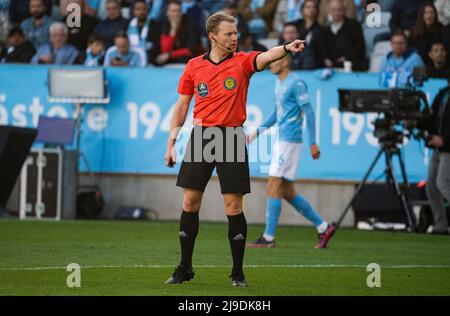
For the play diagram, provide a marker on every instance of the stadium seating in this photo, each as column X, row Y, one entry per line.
column 380, row 50
column 370, row 33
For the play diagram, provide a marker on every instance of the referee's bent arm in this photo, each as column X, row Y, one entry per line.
column 179, row 116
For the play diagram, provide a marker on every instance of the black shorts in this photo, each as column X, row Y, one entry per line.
column 221, row 147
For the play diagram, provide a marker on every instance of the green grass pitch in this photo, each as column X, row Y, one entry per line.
column 135, row 258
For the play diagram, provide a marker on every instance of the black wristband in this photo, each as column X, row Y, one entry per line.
column 284, row 47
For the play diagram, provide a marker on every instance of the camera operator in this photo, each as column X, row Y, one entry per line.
column 438, row 182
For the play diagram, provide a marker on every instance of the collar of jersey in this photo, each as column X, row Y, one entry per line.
column 206, row 56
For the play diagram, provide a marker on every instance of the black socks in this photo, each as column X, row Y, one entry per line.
column 188, row 233
column 237, row 234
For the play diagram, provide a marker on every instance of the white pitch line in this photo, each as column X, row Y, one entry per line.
column 295, row 266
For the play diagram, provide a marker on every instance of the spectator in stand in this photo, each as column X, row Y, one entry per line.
column 404, row 15
column 259, row 15
column 122, row 55
column 178, row 40
column 325, row 19
column 344, row 40
column 19, row 50
column 140, row 26
column 95, row 53
column 191, row 9
column 230, row 7
column 248, row 43
column 37, row 25
column 58, row 51
column 438, row 67
column 443, row 9
column 155, row 9
column 309, row 29
column 397, row 66
column 19, row 10
column 426, row 31
column 114, row 23
column 79, row 36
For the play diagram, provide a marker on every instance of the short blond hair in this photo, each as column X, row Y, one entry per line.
column 212, row 24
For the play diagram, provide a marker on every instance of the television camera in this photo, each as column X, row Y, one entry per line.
column 402, row 113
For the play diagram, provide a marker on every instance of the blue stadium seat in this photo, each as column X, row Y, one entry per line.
column 380, row 50
column 371, row 32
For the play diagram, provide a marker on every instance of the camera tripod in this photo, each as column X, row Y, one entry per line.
column 389, row 150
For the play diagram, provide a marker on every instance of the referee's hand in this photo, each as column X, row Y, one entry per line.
column 296, row 46
column 171, row 156
column 315, row 151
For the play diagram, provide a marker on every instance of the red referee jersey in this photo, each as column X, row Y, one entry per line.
column 220, row 88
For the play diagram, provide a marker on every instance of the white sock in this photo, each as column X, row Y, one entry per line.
column 322, row 227
column 268, row 238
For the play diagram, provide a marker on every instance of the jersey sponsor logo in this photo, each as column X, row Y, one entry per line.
column 229, row 83
column 202, row 89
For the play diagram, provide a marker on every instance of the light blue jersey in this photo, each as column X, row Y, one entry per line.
column 291, row 105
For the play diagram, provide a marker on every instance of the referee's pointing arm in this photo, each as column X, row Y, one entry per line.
column 275, row 53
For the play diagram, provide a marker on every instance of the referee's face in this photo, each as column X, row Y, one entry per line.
column 226, row 35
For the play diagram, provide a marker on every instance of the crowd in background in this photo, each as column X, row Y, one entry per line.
column 139, row 33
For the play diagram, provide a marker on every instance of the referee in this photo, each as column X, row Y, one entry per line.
column 219, row 80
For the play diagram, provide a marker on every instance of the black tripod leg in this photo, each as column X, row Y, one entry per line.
column 406, row 196
column 359, row 188
column 398, row 191
column 403, row 170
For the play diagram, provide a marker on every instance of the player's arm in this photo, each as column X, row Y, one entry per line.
column 270, row 121
column 275, row 53
column 310, row 123
column 311, row 126
column 305, row 105
column 178, row 118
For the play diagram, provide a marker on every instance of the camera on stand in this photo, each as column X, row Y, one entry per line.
column 402, row 113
